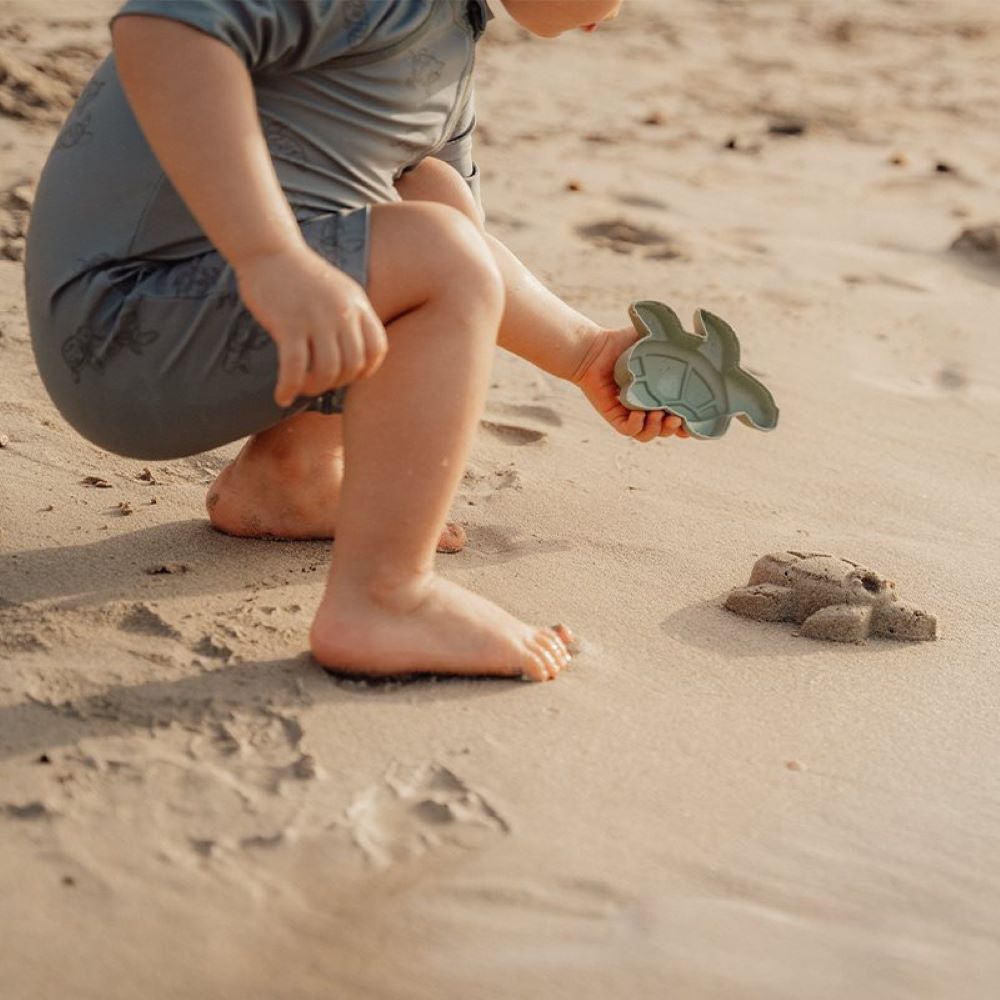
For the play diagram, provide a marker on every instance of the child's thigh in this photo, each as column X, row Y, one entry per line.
column 167, row 361
column 435, row 180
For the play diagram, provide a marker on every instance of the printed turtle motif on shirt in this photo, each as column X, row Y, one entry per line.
column 77, row 130
column 425, row 70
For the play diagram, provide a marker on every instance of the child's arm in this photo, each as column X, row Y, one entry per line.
column 192, row 95
column 538, row 326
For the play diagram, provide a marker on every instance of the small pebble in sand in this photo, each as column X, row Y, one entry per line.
column 655, row 118
column 795, row 765
column 943, row 167
column 68, row 880
column 146, row 476
column 96, row 481
column 167, row 568
column 574, row 186
column 125, row 508
column 4, row 440
column 741, row 145
column 899, row 159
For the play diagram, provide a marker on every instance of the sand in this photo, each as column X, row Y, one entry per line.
column 705, row 806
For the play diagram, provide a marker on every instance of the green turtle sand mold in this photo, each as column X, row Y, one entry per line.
column 830, row 598
column 696, row 376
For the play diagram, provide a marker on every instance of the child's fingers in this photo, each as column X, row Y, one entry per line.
column 352, row 350
column 651, row 427
column 376, row 343
column 293, row 359
column 673, row 424
column 325, row 366
column 633, row 423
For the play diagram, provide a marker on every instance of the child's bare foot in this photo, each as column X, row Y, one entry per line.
column 270, row 496
column 431, row 626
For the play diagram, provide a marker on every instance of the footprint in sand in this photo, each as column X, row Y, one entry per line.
column 420, row 808
column 479, row 482
column 885, row 280
column 948, row 381
column 19, row 630
column 625, row 237
column 511, row 902
column 512, row 433
column 643, row 201
column 496, row 544
column 590, row 919
column 979, row 248
column 143, row 620
column 531, row 411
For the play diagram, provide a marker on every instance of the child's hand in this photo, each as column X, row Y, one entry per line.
column 596, row 378
column 326, row 330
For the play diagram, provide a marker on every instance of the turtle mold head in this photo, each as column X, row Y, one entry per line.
column 901, row 620
column 868, row 587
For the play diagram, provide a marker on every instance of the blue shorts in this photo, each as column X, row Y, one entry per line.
column 169, row 362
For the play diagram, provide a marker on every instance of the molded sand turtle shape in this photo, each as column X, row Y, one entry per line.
column 830, row 598
column 696, row 376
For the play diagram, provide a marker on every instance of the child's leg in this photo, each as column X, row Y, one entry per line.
column 407, row 433
column 285, row 483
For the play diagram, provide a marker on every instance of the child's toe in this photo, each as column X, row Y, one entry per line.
column 544, row 655
column 556, row 647
column 565, row 636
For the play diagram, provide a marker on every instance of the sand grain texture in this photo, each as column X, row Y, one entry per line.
column 705, row 807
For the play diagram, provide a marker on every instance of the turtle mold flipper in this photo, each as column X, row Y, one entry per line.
column 839, row 623
column 721, row 345
column 659, row 322
column 903, row 620
column 764, row 602
column 749, row 400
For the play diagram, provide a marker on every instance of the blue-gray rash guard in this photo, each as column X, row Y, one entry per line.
column 123, row 286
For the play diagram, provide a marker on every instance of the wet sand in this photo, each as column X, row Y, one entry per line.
column 705, row 806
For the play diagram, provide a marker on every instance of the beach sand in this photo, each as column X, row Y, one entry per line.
column 704, row 806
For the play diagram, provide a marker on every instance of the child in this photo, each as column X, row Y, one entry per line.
column 257, row 204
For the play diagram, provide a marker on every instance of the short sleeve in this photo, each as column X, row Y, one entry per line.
column 267, row 34
column 457, row 151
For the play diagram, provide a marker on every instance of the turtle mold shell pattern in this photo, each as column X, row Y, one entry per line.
column 696, row 376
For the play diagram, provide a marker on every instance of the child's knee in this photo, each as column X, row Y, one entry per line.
column 463, row 262
column 424, row 253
